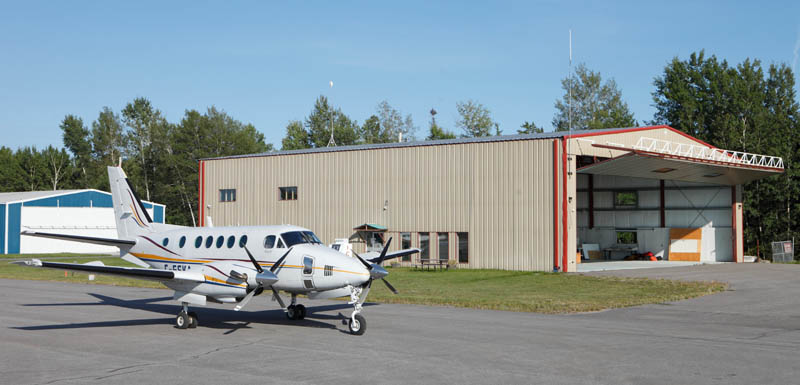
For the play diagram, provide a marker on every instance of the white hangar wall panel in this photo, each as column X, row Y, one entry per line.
column 501, row 193
column 686, row 205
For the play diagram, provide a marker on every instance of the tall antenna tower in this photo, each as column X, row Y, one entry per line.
column 569, row 107
column 331, row 142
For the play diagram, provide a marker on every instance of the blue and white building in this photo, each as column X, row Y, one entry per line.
column 79, row 212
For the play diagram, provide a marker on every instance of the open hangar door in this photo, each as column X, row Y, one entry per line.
column 625, row 215
column 681, row 202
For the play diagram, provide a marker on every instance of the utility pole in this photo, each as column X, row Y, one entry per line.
column 331, row 142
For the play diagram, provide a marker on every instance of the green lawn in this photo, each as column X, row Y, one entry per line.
column 482, row 289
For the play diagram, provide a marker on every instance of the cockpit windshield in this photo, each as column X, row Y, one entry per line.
column 296, row 237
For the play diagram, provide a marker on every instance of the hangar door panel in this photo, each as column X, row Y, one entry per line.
column 84, row 221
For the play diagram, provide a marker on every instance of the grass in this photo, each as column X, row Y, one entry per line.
column 482, row 289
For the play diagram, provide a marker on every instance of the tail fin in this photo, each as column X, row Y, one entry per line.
column 129, row 212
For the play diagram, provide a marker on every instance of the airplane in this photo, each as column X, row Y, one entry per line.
column 228, row 264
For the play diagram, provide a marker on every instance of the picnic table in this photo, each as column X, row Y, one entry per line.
column 426, row 264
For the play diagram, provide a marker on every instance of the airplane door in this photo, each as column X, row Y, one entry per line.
column 308, row 272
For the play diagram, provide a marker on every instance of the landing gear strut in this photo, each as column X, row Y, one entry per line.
column 186, row 318
column 295, row 311
column 357, row 324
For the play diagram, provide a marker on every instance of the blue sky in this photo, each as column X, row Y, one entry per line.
column 266, row 62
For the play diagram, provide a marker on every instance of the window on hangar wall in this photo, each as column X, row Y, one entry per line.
column 424, row 245
column 227, row 195
column 405, row 243
column 626, row 199
column 626, row 237
column 288, row 193
column 444, row 246
column 463, row 247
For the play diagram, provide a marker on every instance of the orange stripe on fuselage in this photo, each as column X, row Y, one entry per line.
column 212, row 279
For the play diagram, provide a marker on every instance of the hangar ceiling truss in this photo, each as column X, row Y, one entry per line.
column 666, row 147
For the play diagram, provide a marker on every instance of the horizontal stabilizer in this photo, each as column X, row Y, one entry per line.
column 80, row 238
column 131, row 272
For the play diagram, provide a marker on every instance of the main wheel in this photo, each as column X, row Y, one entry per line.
column 358, row 325
column 291, row 312
column 192, row 320
column 182, row 322
column 301, row 311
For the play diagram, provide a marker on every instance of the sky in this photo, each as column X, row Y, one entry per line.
column 265, row 63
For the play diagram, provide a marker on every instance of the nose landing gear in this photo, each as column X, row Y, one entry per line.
column 357, row 323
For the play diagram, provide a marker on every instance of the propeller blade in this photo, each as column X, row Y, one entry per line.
column 277, row 297
column 367, row 264
column 277, row 264
column 245, row 300
column 389, row 285
column 383, row 253
column 258, row 267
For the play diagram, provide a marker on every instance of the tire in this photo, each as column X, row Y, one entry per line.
column 358, row 326
column 291, row 312
column 183, row 320
column 301, row 311
column 192, row 320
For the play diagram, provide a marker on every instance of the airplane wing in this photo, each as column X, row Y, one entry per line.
column 80, row 238
column 396, row 254
column 130, row 272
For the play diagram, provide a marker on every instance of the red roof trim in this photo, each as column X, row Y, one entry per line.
column 634, row 129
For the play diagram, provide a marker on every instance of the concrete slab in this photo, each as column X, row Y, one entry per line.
column 591, row 266
column 76, row 334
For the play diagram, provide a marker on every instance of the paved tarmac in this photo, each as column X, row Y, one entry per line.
column 56, row 333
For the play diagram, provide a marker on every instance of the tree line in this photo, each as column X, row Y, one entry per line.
column 745, row 107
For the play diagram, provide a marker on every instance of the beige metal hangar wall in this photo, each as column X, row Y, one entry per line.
column 498, row 190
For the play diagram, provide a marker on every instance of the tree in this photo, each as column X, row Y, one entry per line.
column 529, row 128
column 296, row 137
column 373, row 132
column 745, row 109
column 474, row 119
column 77, row 140
column 436, row 132
column 393, row 124
column 57, row 163
column 107, row 144
column 144, row 123
column 31, row 167
column 594, row 104
column 318, row 123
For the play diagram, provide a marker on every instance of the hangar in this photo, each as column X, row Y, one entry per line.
column 80, row 212
column 517, row 202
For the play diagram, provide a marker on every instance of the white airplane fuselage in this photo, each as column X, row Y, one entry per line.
column 213, row 252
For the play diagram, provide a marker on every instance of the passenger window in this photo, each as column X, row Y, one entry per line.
column 280, row 244
column 220, row 241
column 198, row 241
column 269, row 242
column 182, row 242
column 231, row 241
column 308, row 265
column 209, row 241
column 243, row 241
column 165, row 241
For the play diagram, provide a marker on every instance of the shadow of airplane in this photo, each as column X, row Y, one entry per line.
column 209, row 317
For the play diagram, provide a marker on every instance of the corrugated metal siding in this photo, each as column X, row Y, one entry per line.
column 2, row 229
column 498, row 192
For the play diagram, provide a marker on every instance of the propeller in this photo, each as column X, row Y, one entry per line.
column 376, row 271
column 263, row 278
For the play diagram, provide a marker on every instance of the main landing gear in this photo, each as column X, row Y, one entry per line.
column 186, row 318
column 357, row 324
column 294, row 311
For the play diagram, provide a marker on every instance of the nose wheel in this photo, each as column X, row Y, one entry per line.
column 357, row 325
column 296, row 312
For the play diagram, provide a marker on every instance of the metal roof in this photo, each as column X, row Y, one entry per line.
column 25, row 196
column 443, row 142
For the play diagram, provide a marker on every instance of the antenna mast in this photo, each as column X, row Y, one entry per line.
column 331, row 142
column 569, row 107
